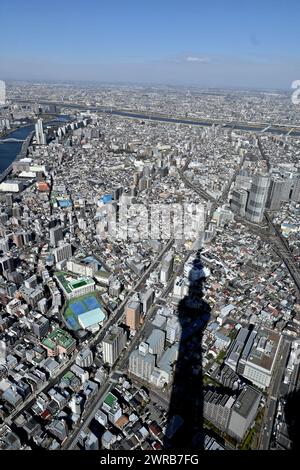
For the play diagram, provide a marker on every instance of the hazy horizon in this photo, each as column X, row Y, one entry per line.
column 155, row 43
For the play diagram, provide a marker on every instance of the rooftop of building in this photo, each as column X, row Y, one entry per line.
column 263, row 351
column 71, row 283
column 91, row 317
column 110, row 400
column 246, row 400
column 58, row 337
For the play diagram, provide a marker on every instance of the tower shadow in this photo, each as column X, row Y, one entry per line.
column 292, row 418
column 184, row 428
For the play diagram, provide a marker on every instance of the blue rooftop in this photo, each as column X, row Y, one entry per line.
column 106, row 198
column 64, row 203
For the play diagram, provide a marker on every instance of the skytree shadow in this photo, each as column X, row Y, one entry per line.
column 184, row 428
column 292, row 418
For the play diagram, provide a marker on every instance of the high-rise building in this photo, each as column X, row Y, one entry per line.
column 243, row 412
column 180, row 288
column 141, row 362
column 117, row 192
column 64, row 251
column 295, row 195
column 39, row 133
column 133, row 314
column 2, row 93
column 156, row 342
column 173, row 329
column 147, row 300
column 231, row 414
column 18, row 239
column 4, row 245
column 115, row 288
column 58, row 429
column 279, row 191
column 253, row 355
column 260, row 361
column 40, row 326
column 166, row 267
column 56, row 234
column 7, row 264
column 84, row 358
column 217, row 408
column 238, row 203
column 31, row 282
column 91, row 442
column 113, row 344
column 257, row 198
column 287, row 190
column 76, row 404
column 112, row 407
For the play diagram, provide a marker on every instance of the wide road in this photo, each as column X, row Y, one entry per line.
column 271, row 405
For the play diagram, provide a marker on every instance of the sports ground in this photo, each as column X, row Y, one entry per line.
column 77, row 306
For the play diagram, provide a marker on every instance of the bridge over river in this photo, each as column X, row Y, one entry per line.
column 11, row 140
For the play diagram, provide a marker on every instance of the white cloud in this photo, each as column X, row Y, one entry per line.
column 197, row 59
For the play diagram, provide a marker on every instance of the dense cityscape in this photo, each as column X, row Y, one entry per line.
column 141, row 336
column 149, row 233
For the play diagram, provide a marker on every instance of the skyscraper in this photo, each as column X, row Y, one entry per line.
column 275, row 193
column 238, row 201
column 257, row 198
column 2, row 93
column 39, row 133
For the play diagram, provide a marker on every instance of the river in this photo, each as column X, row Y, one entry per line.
column 10, row 150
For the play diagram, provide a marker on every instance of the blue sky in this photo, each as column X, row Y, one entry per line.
column 192, row 42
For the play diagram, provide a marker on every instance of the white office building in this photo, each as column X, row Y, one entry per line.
column 113, row 344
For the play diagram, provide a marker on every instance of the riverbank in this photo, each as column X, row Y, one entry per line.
column 21, row 154
column 12, row 151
